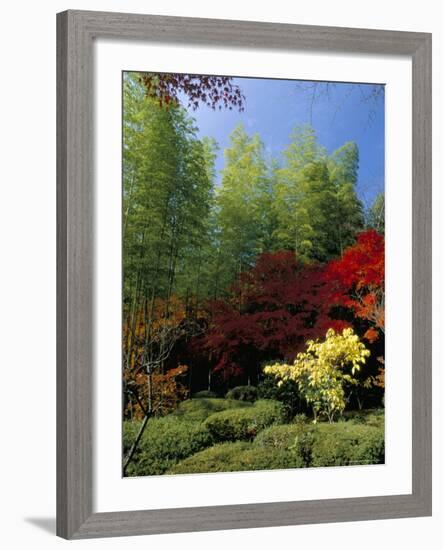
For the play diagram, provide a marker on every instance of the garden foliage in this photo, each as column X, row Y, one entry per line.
column 265, row 285
column 324, row 370
column 244, row 423
column 243, row 393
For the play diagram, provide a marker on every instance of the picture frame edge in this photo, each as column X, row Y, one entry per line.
column 76, row 31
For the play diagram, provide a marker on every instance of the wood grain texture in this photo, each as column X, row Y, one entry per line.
column 74, row 292
column 192, row 30
column 242, row 516
column 76, row 31
column 422, row 271
column 62, row 364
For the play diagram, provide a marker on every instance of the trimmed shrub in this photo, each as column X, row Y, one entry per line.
column 203, row 393
column 345, row 444
column 339, row 444
column 296, row 439
column 243, row 393
column 165, row 441
column 214, row 459
column 377, row 420
column 236, row 457
column 370, row 417
column 281, row 436
column 178, row 443
column 197, row 410
column 244, row 423
column 291, row 446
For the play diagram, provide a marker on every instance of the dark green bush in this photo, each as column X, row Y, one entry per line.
column 165, row 441
column 358, row 419
column 287, row 393
column 203, row 393
column 243, row 393
column 346, row 443
column 236, row 457
column 197, row 410
column 244, row 423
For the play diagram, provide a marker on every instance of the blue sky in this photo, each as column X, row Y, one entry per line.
column 338, row 112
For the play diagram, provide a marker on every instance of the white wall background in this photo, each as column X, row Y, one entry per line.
column 27, row 488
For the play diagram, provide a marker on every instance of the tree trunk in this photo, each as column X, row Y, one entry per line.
column 148, row 414
column 132, row 450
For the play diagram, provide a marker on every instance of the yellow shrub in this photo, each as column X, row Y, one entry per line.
column 322, row 372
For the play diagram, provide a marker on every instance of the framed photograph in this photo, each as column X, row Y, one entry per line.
column 244, row 274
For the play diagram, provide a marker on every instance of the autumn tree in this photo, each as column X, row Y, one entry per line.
column 169, row 89
column 280, row 303
column 273, row 309
column 159, row 393
column 356, row 280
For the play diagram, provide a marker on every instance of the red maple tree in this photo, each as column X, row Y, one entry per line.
column 275, row 307
column 357, row 281
column 280, row 303
column 216, row 92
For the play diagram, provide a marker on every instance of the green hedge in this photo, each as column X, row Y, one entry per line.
column 346, row 443
column 281, row 436
column 338, row 444
column 377, row 420
column 165, row 441
column 243, row 393
column 236, row 457
column 197, row 410
column 244, row 423
column 214, row 459
column 174, row 444
column 294, row 438
column 371, row 417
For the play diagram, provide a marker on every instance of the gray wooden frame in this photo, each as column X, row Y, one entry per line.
column 76, row 31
